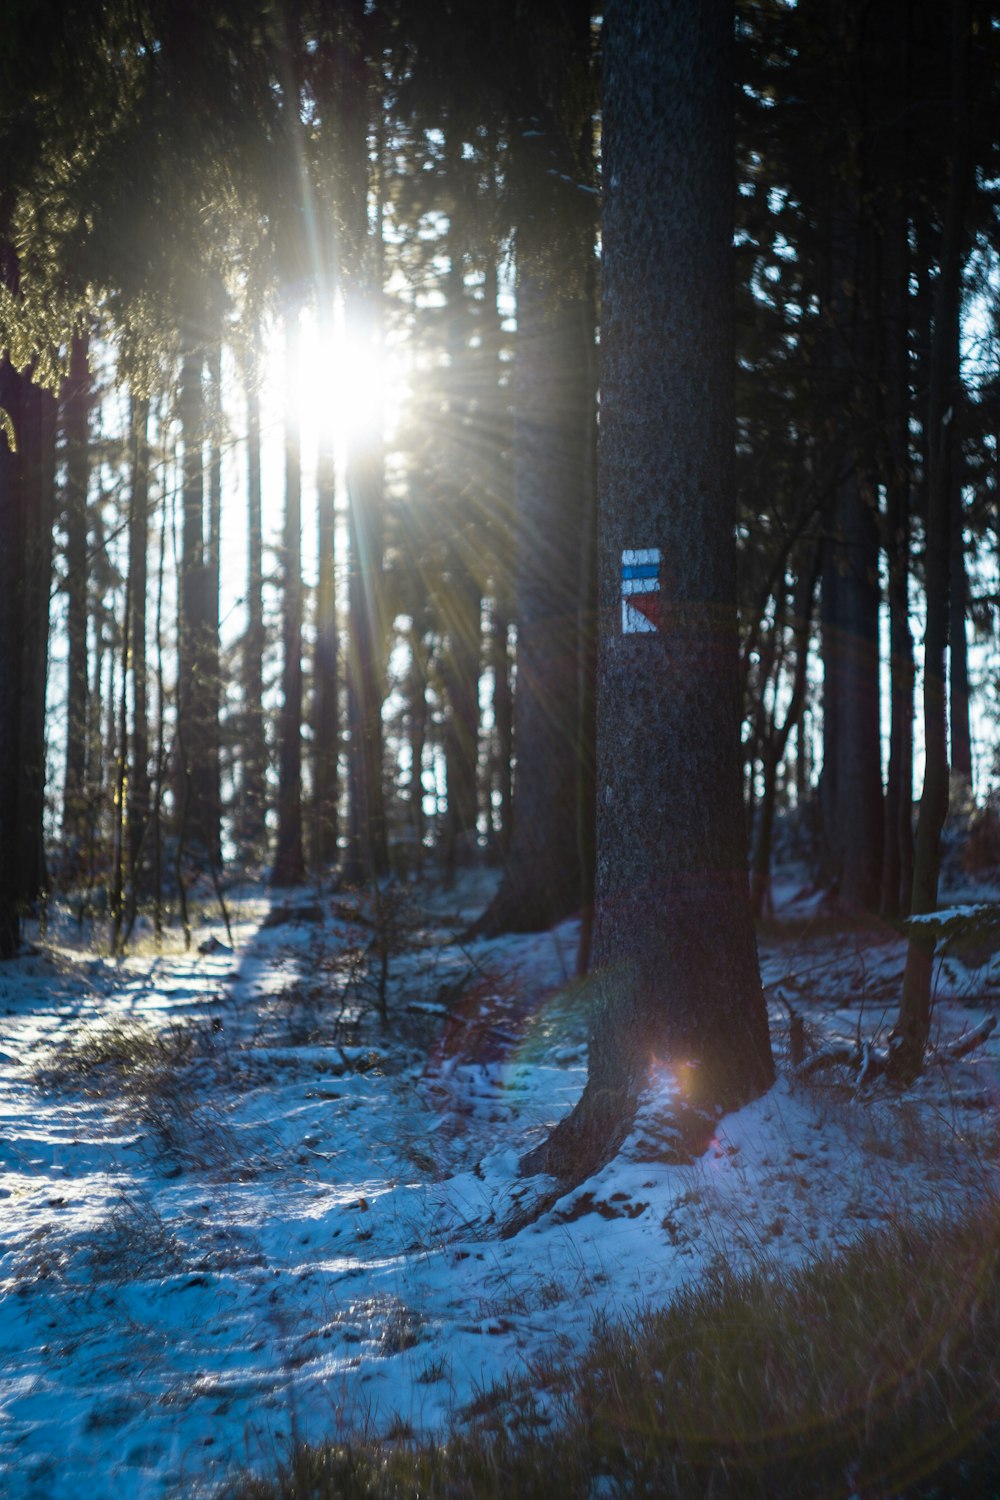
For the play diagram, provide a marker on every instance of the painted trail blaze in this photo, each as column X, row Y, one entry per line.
column 640, row 590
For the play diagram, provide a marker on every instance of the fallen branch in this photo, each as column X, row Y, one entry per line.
column 967, row 1042
column 846, row 1054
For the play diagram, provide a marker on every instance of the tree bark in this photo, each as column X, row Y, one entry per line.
column 897, row 846
column 197, row 687
column 913, row 1023
column 958, row 645
column 213, row 561
column 326, row 716
column 76, row 425
column 138, row 802
column 12, row 529
column 679, row 1017
column 38, row 468
column 776, row 742
column 367, row 854
column 252, row 831
column 853, row 796
column 289, row 862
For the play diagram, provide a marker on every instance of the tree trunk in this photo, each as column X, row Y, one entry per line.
column 76, row 425
column 893, row 45
column 12, row 530
column 776, row 742
column 503, row 720
column 419, row 668
column 138, row 808
column 197, row 688
column 367, row 853
column 326, row 715
column 913, row 1024
column 37, row 461
column 461, row 596
column 213, row 560
column 460, row 667
column 289, row 863
column 254, row 800
column 958, row 645
column 679, row 1016
column 854, row 812
column 543, row 881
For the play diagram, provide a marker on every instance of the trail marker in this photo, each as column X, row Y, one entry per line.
column 640, row 590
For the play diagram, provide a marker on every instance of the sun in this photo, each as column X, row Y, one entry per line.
column 343, row 387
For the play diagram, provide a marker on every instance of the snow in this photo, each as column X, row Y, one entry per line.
column 295, row 1230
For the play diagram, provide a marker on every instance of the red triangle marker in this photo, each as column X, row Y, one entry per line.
column 647, row 605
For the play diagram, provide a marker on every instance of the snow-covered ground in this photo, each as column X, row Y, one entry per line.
column 236, row 1211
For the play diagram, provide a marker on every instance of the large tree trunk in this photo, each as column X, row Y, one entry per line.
column 289, row 863
column 679, row 1015
column 913, row 1024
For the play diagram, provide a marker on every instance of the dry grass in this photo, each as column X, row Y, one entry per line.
column 877, row 1374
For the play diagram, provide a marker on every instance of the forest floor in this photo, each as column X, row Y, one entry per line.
column 238, row 1211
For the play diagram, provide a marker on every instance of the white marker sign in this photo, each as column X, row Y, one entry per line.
column 640, row 590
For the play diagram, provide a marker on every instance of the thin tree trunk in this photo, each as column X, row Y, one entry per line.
column 461, row 598
column 254, row 798
column 289, row 862
column 586, row 834
column 76, row 424
column 38, row 475
column 503, row 718
column 366, row 855
column 326, row 714
column 897, row 844
column 776, row 743
column 12, row 530
column 214, row 694
column 419, row 667
column 958, row 645
column 197, row 688
column 543, row 880
column 913, row 1024
column 138, row 801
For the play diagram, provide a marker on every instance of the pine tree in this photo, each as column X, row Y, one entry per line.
column 677, row 993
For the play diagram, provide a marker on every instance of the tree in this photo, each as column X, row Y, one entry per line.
column 676, row 982
column 289, row 861
column 76, row 421
column 551, row 171
column 11, row 626
column 913, row 1024
column 253, row 800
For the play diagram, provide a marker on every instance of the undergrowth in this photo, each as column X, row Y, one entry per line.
column 120, row 1055
column 873, row 1375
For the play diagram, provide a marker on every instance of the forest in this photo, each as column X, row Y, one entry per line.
column 499, row 656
